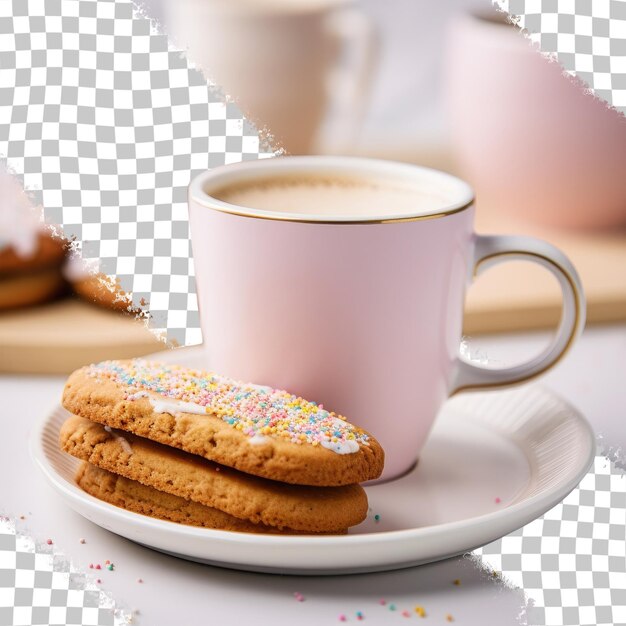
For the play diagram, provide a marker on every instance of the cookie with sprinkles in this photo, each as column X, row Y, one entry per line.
column 188, row 477
column 253, row 428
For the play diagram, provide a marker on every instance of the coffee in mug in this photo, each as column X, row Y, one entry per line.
column 327, row 195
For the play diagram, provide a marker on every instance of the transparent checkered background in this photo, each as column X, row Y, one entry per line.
column 39, row 586
column 587, row 37
column 110, row 123
column 571, row 562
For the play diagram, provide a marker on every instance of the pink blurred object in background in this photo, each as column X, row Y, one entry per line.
column 528, row 138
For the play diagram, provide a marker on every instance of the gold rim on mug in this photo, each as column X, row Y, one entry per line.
column 204, row 198
column 570, row 340
column 393, row 220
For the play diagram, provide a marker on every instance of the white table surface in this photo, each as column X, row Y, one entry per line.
column 180, row 592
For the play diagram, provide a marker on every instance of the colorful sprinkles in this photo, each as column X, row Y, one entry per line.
column 255, row 410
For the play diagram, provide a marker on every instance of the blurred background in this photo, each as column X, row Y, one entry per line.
column 449, row 85
column 403, row 112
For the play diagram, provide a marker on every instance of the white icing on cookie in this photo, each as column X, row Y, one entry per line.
column 164, row 405
column 341, row 447
column 257, row 440
column 175, row 406
column 121, row 440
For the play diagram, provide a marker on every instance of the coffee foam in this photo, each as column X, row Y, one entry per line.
column 331, row 196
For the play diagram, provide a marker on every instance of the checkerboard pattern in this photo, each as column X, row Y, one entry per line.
column 587, row 37
column 572, row 561
column 107, row 124
column 38, row 586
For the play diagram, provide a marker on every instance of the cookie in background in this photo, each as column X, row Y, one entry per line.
column 93, row 286
column 31, row 258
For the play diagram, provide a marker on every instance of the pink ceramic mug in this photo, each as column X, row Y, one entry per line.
column 527, row 137
column 363, row 314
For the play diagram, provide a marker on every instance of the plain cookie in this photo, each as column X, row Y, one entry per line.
column 90, row 288
column 34, row 278
column 22, row 289
column 133, row 496
column 257, row 500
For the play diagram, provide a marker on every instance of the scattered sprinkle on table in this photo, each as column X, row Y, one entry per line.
column 392, row 607
column 449, row 618
column 22, row 516
column 98, row 566
column 298, row 596
column 456, row 582
column 49, row 542
column 342, row 617
column 406, row 614
column 497, row 500
column 382, row 602
column 98, row 580
column 377, row 518
column 110, row 567
column 360, row 615
column 81, row 540
column 140, row 580
column 420, row 611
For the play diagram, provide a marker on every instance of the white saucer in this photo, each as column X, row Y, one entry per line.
column 494, row 462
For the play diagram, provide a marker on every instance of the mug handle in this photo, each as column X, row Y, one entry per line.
column 493, row 249
column 348, row 85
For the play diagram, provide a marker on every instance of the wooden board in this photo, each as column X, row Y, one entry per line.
column 61, row 336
